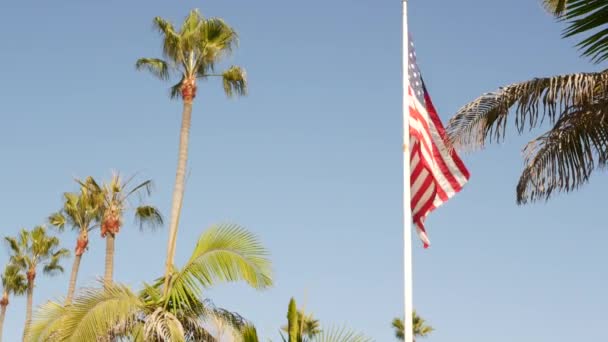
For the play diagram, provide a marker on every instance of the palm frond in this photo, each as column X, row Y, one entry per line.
column 485, row 119
column 147, row 186
column 249, row 334
column 217, row 39
column 148, row 216
column 235, row 81
column 175, row 92
column 585, row 16
column 13, row 244
column 155, row 66
column 171, row 40
column 47, row 322
column 564, row 158
column 58, row 220
column 341, row 334
column 96, row 312
column 227, row 252
column 163, row 326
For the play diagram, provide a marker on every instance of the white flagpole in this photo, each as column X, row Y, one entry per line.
column 407, row 212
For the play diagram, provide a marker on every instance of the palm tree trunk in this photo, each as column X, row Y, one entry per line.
column 178, row 191
column 108, row 276
column 3, row 305
column 28, row 309
column 73, row 276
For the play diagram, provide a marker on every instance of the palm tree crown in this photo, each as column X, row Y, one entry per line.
column 192, row 52
column 34, row 248
column 114, row 201
column 14, row 282
column 81, row 212
column 421, row 329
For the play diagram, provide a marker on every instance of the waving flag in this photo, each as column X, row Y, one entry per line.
column 436, row 172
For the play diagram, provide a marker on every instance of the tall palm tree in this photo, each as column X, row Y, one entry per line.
column 31, row 249
column 115, row 201
column 13, row 283
column 224, row 253
column 421, row 329
column 191, row 53
column 576, row 105
column 81, row 212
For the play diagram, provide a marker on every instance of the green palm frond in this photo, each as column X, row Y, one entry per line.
column 47, row 322
column 58, row 220
column 486, row 117
column 148, row 216
column 13, row 244
column 564, row 158
column 217, row 39
column 249, row 334
column 585, row 16
column 155, row 66
column 340, row 334
column 235, row 81
column 223, row 253
column 171, row 41
column 97, row 312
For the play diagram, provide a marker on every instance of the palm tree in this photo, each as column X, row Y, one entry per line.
column 115, row 197
column 576, row 105
column 307, row 327
column 303, row 328
column 421, row 329
column 191, row 53
column 224, row 253
column 13, row 283
column 31, row 249
column 81, row 212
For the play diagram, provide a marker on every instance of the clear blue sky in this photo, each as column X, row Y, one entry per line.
column 310, row 160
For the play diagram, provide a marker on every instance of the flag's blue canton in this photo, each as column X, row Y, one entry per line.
column 414, row 75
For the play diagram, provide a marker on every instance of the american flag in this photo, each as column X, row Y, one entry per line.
column 436, row 172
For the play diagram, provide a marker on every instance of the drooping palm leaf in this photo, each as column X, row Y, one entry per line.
column 569, row 102
column 485, row 118
column 235, row 81
column 564, row 158
column 155, row 66
column 148, row 216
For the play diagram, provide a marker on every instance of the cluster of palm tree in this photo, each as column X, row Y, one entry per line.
column 171, row 307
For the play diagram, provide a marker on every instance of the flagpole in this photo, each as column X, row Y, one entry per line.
column 407, row 212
